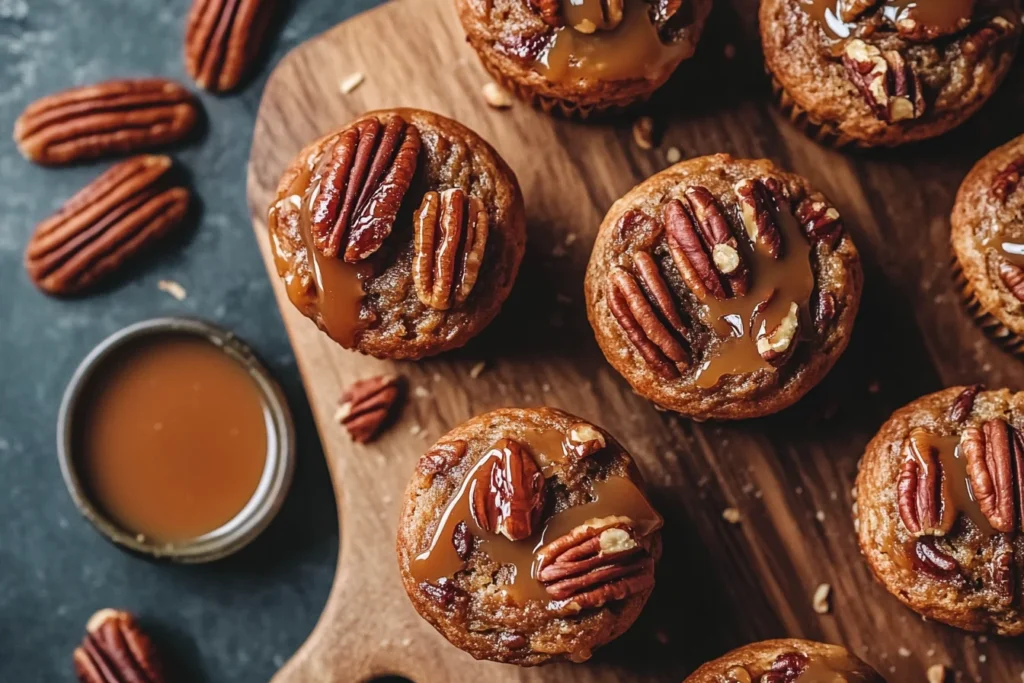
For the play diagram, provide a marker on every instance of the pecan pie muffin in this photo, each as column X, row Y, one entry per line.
column 526, row 537
column 885, row 72
column 988, row 244
column 400, row 234
column 939, row 507
column 578, row 57
column 786, row 661
column 723, row 288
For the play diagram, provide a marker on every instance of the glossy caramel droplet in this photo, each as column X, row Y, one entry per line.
column 942, row 17
column 590, row 46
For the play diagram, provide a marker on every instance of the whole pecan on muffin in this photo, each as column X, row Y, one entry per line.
column 885, row 72
column 939, row 507
column 723, row 288
column 786, row 661
column 400, row 234
column 988, row 243
column 581, row 57
column 526, row 537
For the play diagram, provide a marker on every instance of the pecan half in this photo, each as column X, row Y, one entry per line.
column 115, row 117
column 1012, row 276
column 995, row 465
column 585, row 440
column 363, row 179
column 820, row 221
column 786, row 668
column 641, row 324
column 597, row 562
column 692, row 261
column 776, row 345
column 1008, row 179
column 824, row 311
column 462, row 539
column 889, row 84
column 450, row 238
column 919, row 488
column 759, row 203
column 441, row 458
column 445, row 593
column 930, row 558
column 718, row 239
column 366, row 405
column 109, row 221
column 963, row 404
column 849, row 10
column 508, row 495
column 223, row 39
column 115, row 650
column 1002, row 573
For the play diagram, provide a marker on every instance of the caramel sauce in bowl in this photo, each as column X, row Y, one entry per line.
column 175, row 442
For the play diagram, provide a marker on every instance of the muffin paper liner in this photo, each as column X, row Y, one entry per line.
column 825, row 133
column 996, row 330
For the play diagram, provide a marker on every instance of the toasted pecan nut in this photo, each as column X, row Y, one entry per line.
column 1008, row 179
column 642, row 326
column 820, row 221
column 920, row 494
column 106, row 223
column 508, row 495
column 366, row 406
column 849, row 10
column 758, row 206
column 777, row 345
column 889, row 84
column 719, row 240
column 824, row 311
column 115, row 650
column 585, row 439
column 550, row 11
column 995, row 465
column 963, row 405
column 688, row 253
column 223, row 39
column 929, row 558
column 595, row 563
column 786, row 668
column 363, row 179
column 1012, row 276
column 441, row 458
column 114, row 117
column 450, row 237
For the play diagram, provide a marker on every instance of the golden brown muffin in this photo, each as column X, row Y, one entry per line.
column 526, row 537
column 988, row 243
column 723, row 288
column 582, row 57
column 786, row 661
column 885, row 72
column 939, row 507
column 400, row 234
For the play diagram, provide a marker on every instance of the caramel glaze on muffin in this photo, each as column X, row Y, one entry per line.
column 399, row 235
column 885, row 72
column 786, row 661
column 723, row 288
column 526, row 537
column 939, row 507
column 988, row 243
column 582, row 56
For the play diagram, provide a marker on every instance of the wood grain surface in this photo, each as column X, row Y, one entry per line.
column 720, row 585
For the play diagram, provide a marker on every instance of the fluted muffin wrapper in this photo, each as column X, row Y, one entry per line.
column 1002, row 335
column 820, row 131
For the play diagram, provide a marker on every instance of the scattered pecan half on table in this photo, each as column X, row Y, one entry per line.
column 115, row 650
column 223, row 38
column 366, row 406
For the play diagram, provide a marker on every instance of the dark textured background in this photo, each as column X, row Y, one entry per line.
column 234, row 620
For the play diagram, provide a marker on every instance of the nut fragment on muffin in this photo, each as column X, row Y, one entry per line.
column 578, row 57
column 885, row 72
column 786, row 661
column 988, row 244
column 723, row 288
column 939, row 507
column 400, row 234
column 526, row 537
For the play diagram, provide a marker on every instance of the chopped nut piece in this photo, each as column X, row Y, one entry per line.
column 173, row 288
column 937, row 673
column 673, row 155
column 585, row 439
column 643, row 132
column 478, row 369
column 351, row 82
column 822, row 599
column 732, row 515
column 496, row 96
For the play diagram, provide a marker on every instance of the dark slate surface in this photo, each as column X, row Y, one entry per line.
column 235, row 620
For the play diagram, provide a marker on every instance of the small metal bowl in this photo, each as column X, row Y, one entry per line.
column 277, row 473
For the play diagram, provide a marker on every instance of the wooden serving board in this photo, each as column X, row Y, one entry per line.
column 720, row 585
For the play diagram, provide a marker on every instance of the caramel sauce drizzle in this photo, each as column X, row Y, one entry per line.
column 822, row 670
column 1007, row 241
column 739, row 320
column 547, row 446
column 957, row 496
column 614, row 496
column 945, row 15
column 631, row 50
column 339, row 293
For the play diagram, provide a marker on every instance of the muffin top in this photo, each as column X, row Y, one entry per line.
column 786, row 661
column 938, row 507
column 723, row 288
column 526, row 536
column 988, row 232
column 400, row 234
column 592, row 49
column 890, row 71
